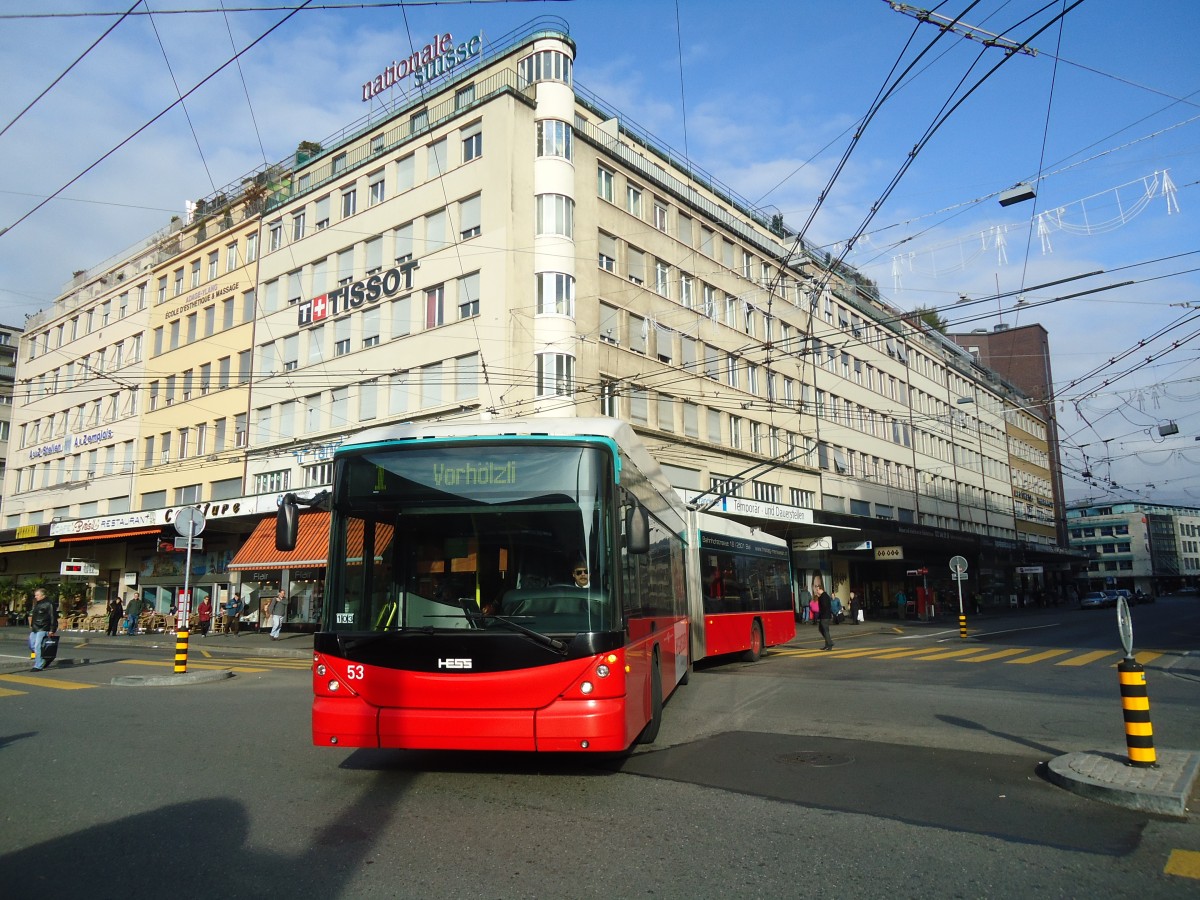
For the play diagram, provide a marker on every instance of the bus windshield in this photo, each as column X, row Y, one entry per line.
column 445, row 536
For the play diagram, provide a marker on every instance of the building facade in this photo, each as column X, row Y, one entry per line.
column 1137, row 546
column 504, row 244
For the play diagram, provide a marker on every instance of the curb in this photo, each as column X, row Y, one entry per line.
column 1108, row 777
column 171, row 680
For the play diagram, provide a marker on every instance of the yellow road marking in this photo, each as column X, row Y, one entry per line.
column 950, row 654
column 999, row 654
column 45, row 681
column 1147, row 656
column 1037, row 657
column 1184, row 863
column 5, row 692
column 1085, row 658
column 897, row 654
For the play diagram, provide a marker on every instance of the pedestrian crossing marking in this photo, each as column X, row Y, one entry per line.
column 898, row 654
column 997, row 654
column 45, row 681
column 1147, row 656
column 1084, row 658
column 1037, row 657
column 950, row 654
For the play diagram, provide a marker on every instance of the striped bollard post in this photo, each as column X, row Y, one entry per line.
column 962, row 627
column 181, row 648
column 1135, row 703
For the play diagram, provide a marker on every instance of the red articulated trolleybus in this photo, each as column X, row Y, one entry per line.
column 506, row 585
column 503, row 585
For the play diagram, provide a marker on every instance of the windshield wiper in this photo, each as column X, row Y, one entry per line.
column 553, row 643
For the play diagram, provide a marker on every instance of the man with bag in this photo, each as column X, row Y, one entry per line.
column 43, row 621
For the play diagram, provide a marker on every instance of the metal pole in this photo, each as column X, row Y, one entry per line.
column 184, row 610
column 962, row 619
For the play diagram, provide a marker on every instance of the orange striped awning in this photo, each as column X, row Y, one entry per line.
column 312, row 545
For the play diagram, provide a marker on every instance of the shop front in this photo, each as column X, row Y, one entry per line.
column 261, row 572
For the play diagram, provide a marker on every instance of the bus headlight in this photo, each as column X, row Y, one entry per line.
column 333, row 685
column 586, row 687
column 321, row 669
column 602, row 670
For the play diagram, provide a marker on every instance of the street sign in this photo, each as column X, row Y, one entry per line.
column 958, row 564
column 959, row 576
column 800, row 545
column 78, row 567
column 1125, row 626
column 854, row 545
column 181, row 543
column 189, row 521
column 921, row 571
column 889, row 553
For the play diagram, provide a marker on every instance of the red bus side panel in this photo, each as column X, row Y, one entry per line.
column 730, row 632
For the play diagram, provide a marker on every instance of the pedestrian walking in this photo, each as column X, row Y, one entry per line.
column 204, row 613
column 277, row 610
column 43, row 621
column 233, row 614
column 824, row 611
column 132, row 611
column 856, row 609
column 115, row 613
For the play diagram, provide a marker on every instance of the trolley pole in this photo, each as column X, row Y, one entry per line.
column 1135, row 699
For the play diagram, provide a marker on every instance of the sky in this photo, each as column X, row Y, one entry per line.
column 1102, row 119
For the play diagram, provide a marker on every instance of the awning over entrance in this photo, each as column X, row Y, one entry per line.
column 312, row 545
column 107, row 535
column 31, row 545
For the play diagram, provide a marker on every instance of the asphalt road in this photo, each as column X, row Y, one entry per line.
column 805, row 774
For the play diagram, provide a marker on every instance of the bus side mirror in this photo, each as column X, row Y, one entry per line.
column 287, row 518
column 637, row 530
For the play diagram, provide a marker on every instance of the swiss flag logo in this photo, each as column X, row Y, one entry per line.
column 320, row 307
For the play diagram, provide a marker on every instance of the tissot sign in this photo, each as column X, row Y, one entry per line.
column 353, row 296
column 436, row 58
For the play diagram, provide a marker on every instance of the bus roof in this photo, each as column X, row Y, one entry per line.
column 615, row 430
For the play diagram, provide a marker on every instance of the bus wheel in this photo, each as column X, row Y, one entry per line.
column 756, row 643
column 650, row 732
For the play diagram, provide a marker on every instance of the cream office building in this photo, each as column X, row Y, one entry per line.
column 504, row 245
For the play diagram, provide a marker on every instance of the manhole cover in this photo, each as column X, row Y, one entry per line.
column 816, row 759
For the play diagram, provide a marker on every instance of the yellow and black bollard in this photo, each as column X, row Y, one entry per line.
column 962, row 627
column 181, row 648
column 1135, row 702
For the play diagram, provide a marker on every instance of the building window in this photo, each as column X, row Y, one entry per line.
column 470, row 217
column 545, row 65
column 608, row 397
column 554, row 138
column 472, row 142
column 275, row 235
column 633, row 200
column 604, row 183
column 435, row 299
column 607, row 252
column 349, row 203
column 555, row 374
column 464, row 96
column 297, row 226
column 377, row 190
column 468, row 296
column 273, row 482
column 555, row 294
column 555, row 215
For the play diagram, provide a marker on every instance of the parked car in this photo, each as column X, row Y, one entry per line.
column 1112, row 596
column 1093, row 600
column 1139, row 597
column 1129, row 598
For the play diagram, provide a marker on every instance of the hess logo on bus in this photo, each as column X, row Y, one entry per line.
column 454, row 663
